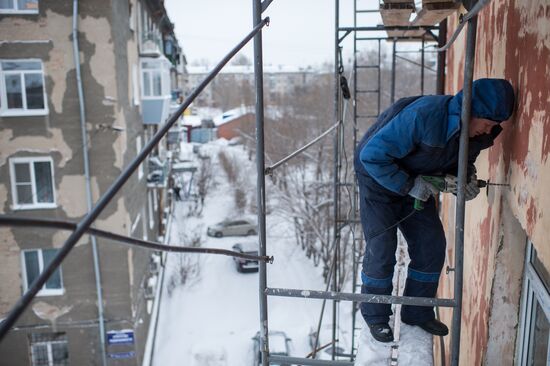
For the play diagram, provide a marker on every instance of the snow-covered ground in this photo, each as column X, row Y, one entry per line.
column 210, row 321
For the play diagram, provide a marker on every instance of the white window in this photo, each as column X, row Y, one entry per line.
column 152, row 79
column 144, row 225
column 533, row 340
column 19, row 6
column 150, row 208
column 22, row 88
column 32, row 184
column 138, row 148
column 135, row 85
column 33, row 263
column 49, row 349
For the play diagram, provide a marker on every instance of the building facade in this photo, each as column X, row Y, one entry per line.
column 130, row 65
column 506, row 302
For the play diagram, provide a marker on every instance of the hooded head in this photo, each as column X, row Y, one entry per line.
column 491, row 99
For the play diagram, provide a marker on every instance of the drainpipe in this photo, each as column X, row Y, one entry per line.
column 76, row 55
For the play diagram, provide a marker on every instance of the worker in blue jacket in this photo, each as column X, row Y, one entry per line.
column 417, row 136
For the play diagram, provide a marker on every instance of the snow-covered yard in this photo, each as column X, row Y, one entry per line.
column 211, row 320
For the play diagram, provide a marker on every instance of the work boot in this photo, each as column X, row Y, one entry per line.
column 434, row 327
column 381, row 332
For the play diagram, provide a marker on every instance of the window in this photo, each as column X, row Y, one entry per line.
column 533, row 341
column 22, row 88
column 49, row 349
column 152, row 79
column 33, row 263
column 32, row 183
column 19, row 6
column 150, row 207
column 138, row 148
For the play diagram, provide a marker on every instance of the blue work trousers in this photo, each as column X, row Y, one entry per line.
column 425, row 238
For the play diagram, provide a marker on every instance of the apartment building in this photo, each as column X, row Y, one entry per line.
column 95, row 309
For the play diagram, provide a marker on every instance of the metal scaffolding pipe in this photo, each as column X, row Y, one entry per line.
column 393, row 57
column 371, row 298
column 270, row 169
column 71, row 226
column 462, row 177
column 441, row 58
column 104, row 200
column 260, row 189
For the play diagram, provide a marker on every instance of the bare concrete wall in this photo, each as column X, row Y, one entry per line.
column 513, row 43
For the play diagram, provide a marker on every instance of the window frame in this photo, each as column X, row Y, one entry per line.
column 534, row 291
column 17, row 112
column 139, row 146
column 43, row 291
column 49, row 348
column 16, row 9
column 35, row 205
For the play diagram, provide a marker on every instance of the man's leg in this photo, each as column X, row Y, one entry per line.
column 426, row 241
column 379, row 258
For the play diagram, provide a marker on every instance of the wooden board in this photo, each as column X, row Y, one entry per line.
column 395, row 17
column 433, row 13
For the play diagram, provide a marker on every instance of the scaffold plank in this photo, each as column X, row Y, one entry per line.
column 434, row 12
column 395, row 14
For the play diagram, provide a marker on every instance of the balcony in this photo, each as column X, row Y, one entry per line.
column 155, row 90
column 151, row 44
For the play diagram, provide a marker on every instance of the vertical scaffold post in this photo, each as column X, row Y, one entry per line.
column 260, row 168
column 422, row 67
column 393, row 59
column 441, row 57
column 336, row 168
column 461, row 207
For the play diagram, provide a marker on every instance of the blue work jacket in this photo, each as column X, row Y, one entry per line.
column 423, row 136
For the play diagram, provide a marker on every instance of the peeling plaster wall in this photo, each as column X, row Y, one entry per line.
column 513, row 42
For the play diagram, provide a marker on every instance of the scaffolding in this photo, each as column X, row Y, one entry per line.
column 396, row 33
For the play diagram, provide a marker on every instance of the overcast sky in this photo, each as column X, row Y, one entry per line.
column 301, row 32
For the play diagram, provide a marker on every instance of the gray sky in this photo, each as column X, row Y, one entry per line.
column 301, row 32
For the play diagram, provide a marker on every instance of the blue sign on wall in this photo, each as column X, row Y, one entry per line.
column 120, row 337
column 120, row 355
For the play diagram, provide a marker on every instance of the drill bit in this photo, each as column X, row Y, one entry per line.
column 485, row 183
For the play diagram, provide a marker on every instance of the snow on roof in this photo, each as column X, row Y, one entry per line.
column 192, row 120
column 232, row 114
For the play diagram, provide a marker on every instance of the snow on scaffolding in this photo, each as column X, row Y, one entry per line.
column 415, row 348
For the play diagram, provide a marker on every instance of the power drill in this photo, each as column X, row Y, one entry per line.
column 449, row 184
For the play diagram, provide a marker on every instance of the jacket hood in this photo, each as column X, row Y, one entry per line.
column 491, row 99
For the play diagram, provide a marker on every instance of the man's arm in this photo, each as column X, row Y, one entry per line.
column 394, row 141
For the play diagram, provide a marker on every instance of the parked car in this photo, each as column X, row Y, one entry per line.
column 246, row 265
column 279, row 344
column 232, row 228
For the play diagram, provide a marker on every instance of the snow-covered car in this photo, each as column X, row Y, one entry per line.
column 239, row 227
column 279, row 344
column 246, row 265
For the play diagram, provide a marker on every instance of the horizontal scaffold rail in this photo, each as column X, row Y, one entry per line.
column 285, row 360
column 269, row 169
column 389, row 28
column 371, row 298
column 67, row 225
